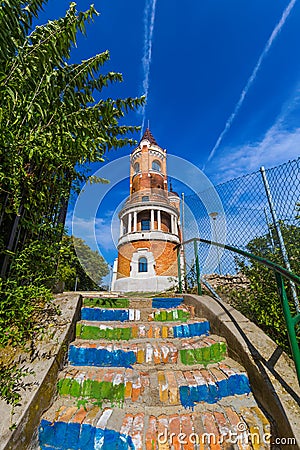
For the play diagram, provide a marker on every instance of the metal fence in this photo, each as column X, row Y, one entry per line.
column 255, row 208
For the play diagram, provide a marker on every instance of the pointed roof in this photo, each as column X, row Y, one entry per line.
column 148, row 135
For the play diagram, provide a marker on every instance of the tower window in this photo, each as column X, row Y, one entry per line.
column 145, row 198
column 145, row 225
column 136, row 167
column 156, row 166
column 143, row 265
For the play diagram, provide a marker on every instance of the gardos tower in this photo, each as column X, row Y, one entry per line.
column 149, row 224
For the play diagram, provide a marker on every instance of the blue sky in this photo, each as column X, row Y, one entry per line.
column 203, row 55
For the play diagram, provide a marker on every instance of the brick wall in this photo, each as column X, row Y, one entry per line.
column 165, row 257
column 143, row 180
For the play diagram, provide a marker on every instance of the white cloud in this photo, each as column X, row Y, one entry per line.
column 253, row 76
column 277, row 146
column 87, row 229
column 149, row 21
column 280, row 144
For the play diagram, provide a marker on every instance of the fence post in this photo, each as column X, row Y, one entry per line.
column 11, row 243
column 197, row 267
column 279, row 234
column 179, row 270
column 270, row 233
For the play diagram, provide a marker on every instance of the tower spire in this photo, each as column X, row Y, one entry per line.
column 149, row 136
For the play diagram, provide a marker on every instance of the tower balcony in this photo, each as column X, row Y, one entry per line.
column 145, row 196
column 147, row 221
column 150, row 235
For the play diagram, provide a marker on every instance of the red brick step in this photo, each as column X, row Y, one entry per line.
column 224, row 428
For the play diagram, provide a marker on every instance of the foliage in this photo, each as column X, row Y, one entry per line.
column 34, row 272
column 18, row 309
column 36, row 264
column 43, row 263
column 50, row 123
column 77, row 260
column 50, row 126
column 260, row 301
column 11, row 384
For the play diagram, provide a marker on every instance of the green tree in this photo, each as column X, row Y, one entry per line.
column 260, row 301
column 50, row 126
column 78, row 260
column 50, row 123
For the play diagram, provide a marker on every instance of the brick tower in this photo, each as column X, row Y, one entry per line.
column 149, row 224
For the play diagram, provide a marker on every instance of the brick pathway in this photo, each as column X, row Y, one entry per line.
column 147, row 374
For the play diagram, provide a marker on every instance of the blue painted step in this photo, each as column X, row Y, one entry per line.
column 90, row 356
column 191, row 329
column 110, row 315
column 75, row 436
column 166, row 302
column 212, row 392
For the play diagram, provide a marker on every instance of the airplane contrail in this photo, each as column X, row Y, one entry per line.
column 253, row 76
column 149, row 20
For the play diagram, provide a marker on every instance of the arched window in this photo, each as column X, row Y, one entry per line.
column 156, row 166
column 143, row 265
column 136, row 167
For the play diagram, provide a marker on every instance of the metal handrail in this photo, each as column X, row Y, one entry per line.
column 280, row 272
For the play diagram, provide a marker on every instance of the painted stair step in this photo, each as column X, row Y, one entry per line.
column 92, row 428
column 157, row 302
column 187, row 351
column 116, row 331
column 122, row 302
column 110, row 315
column 174, row 387
column 202, row 385
column 207, row 350
column 182, row 313
column 191, row 431
column 166, row 302
column 105, row 384
column 106, row 302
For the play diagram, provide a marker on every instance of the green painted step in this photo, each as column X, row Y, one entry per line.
column 118, row 331
column 101, row 391
column 106, row 302
column 213, row 353
column 170, row 315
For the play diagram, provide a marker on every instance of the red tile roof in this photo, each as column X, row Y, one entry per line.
column 148, row 135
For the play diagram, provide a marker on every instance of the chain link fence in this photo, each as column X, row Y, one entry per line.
column 245, row 219
column 260, row 214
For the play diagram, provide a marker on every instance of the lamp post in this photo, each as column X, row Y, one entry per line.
column 76, row 284
column 111, row 270
column 213, row 216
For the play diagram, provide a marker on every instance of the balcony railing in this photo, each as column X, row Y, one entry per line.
column 149, row 195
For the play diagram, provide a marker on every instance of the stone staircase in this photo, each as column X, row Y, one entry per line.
column 147, row 374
